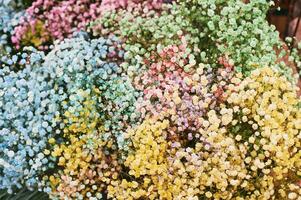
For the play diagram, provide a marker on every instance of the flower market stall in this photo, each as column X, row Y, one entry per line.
column 147, row 99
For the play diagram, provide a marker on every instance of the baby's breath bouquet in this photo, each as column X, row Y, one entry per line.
column 147, row 99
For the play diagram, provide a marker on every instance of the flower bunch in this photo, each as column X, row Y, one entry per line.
column 46, row 21
column 267, row 119
column 98, row 103
column 235, row 29
column 49, row 94
column 26, row 122
column 80, row 66
column 50, row 20
column 8, row 20
column 147, row 99
column 163, row 169
column 143, row 31
column 241, row 152
column 175, row 83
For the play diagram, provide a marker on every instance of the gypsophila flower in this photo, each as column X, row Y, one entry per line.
column 8, row 20
column 93, row 66
column 25, row 124
column 147, row 99
column 144, row 31
column 236, row 29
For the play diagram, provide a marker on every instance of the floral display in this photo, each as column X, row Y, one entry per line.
column 9, row 18
column 147, row 99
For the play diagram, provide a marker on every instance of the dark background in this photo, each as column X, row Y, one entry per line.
column 287, row 19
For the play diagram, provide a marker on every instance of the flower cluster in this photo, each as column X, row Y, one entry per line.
column 143, row 31
column 147, row 99
column 26, row 122
column 175, row 83
column 47, row 20
column 97, row 104
column 267, row 119
column 79, row 66
column 236, row 29
column 8, row 20
column 161, row 169
column 88, row 164
column 248, row 149
column 68, row 88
